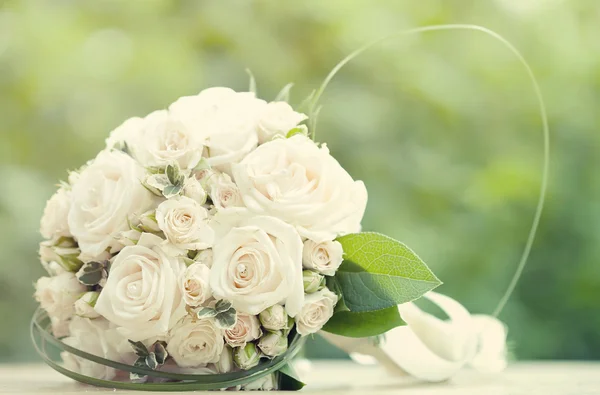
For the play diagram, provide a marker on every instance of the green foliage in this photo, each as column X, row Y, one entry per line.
column 364, row 324
column 379, row 272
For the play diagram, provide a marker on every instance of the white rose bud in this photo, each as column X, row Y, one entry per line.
column 84, row 306
column 194, row 284
column 193, row 189
column 273, row 344
column 245, row 329
column 313, row 281
column 274, row 318
column 148, row 222
column 225, row 363
column 185, row 223
column 277, row 119
column 224, row 193
column 317, row 310
column 66, row 257
column 246, row 357
column 205, row 257
column 195, row 342
column 266, row 383
column 54, row 222
column 325, row 257
column 58, row 294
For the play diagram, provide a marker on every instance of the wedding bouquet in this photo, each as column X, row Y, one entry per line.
column 202, row 245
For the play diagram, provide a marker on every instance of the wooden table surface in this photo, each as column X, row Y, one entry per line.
column 342, row 377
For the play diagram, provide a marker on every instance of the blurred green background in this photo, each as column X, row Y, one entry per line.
column 443, row 129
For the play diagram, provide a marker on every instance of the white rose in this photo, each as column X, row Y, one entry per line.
column 265, row 383
column 224, row 193
column 164, row 139
column 192, row 188
column 295, row 180
column 127, row 133
column 84, row 306
column 246, row 329
column 194, row 284
column 258, row 264
column 185, row 223
column 277, row 119
column 274, row 318
column 58, row 294
column 54, row 221
column 141, row 295
column 225, row 363
column 226, row 119
column 60, row 328
column 324, row 257
column 94, row 337
column 107, row 193
column 195, row 342
column 316, row 311
column 273, row 344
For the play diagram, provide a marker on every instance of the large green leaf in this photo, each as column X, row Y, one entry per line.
column 288, row 379
column 379, row 272
column 364, row 324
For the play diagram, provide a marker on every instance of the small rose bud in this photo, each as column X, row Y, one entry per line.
column 266, row 383
column 274, row 318
column 273, row 344
column 313, row 281
column 246, row 357
column 148, row 222
column 84, row 306
column 225, row 363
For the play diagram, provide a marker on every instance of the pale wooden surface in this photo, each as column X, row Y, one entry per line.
column 543, row 378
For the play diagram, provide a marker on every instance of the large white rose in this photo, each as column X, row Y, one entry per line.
column 142, row 295
column 227, row 120
column 54, row 221
column 194, row 284
column 277, row 119
column 107, row 193
column 316, row 311
column 57, row 295
column 246, row 329
column 94, row 337
column 127, row 133
column 295, row 180
column 194, row 343
column 185, row 223
column 164, row 139
column 324, row 257
column 257, row 264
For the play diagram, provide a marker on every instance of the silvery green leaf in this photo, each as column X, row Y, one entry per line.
column 135, row 377
column 174, row 174
column 379, row 272
column 91, row 273
column 226, row 319
column 284, row 93
column 171, row 190
column 222, row 305
column 151, row 361
column 206, row 312
column 140, row 349
column 160, row 351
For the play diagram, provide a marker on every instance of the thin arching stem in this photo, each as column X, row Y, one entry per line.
column 313, row 109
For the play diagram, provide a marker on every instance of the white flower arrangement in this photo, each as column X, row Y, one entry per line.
column 206, row 240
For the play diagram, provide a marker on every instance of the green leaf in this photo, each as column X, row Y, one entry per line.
column 252, row 87
column 136, row 377
column 206, row 312
column 139, row 349
column 288, row 379
column 171, row 190
column 160, row 351
column 379, row 272
column 151, row 361
column 364, row 324
column 226, row 319
column 91, row 273
column 222, row 306
column 300, row 129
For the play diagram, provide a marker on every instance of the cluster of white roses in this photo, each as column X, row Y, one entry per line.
column 208, row 228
